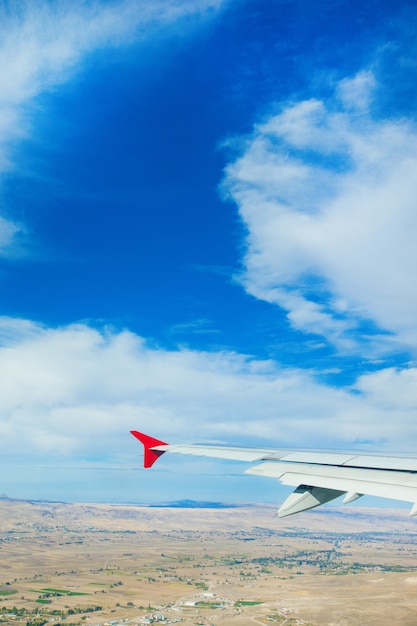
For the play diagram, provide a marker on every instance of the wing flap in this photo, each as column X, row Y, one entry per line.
column 381, row 483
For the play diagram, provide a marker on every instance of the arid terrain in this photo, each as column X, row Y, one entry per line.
column 103, row 564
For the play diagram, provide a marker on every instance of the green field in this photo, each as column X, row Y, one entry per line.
column 56, row 592
column 7, row 592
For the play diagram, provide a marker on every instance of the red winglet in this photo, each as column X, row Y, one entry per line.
column 150, row 456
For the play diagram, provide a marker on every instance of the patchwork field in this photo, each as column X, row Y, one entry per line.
column 98, row 564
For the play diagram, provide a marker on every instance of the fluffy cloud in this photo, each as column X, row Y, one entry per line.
column 75, row 392
column 43, row 43
column 327, row 193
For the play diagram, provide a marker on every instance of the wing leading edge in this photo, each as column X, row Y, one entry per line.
column 318, row 477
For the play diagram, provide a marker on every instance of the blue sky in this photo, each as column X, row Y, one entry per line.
column 207, row 232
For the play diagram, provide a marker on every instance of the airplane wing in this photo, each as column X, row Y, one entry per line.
column 318, row 477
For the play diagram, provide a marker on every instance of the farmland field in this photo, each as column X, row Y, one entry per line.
column 97, row 564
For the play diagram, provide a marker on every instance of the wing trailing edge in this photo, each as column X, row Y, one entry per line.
column 318, row 477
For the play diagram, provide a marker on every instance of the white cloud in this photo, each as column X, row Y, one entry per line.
column 327, row 194
column 8, row 230
column 356, row 93
column 43, row 43
column 75, row 392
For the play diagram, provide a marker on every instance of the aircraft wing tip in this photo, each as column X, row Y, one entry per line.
column 149, row 443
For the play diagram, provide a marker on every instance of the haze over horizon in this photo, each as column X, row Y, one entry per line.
column 207, row 232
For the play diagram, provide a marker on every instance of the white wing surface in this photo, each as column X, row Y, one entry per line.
column 318, row 477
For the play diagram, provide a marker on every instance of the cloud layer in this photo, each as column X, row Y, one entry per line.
column 327, row 193
column 76, row 392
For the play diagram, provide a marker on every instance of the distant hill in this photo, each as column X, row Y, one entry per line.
column 196, row 504
column 31, row 516
column 5, row 498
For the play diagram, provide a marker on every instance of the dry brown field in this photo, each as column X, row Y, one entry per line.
column 101, row 564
